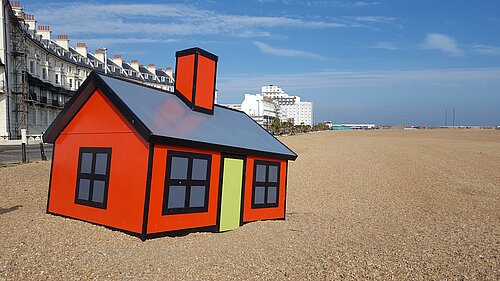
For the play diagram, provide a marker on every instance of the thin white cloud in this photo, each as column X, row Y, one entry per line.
column 163, row 19
column 371, row 21
column 445, row 43
column 374, row 19
column 99, row 42
column 336, row 79
column 386, row 45
column 355, row 4
column 283, row 52
column 486, row 49
column 323, row 3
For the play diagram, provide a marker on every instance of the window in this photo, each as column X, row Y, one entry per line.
column 57, row 78
column 71, row 83
column 265, row 184
column 44, row 73
column 32, row 67
column 187, row 182
column 93, row 177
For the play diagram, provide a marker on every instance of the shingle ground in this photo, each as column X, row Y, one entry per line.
column 360, row 205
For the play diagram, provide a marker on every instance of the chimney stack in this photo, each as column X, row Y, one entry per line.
column 117, row 59
column 99, row 54
column 152, row 68
column 44, row 30
column 17, row 9
column 135, row 64
column 81, row 48
column 169, row 72
column 63, row 41
column 30, row 21
column 195, row 74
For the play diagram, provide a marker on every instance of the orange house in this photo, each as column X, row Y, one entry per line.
column 144, row 161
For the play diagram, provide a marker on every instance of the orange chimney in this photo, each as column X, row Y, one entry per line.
column 195, row 74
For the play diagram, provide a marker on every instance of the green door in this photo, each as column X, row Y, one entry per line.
column 232, row 181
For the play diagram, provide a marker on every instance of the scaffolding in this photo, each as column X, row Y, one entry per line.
column 19, row 85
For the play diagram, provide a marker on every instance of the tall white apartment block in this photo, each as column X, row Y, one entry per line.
column 290, row 108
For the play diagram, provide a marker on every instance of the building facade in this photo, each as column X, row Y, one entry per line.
column 262, row 109
column 39, row 74
column 290, row 108
column 273, row 103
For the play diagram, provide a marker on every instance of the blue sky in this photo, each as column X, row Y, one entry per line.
column 358, row 61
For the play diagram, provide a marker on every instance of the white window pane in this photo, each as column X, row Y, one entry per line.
column 178, row 169
column 197, row 196
column 98, row 191
column 272, row 194
column 176, row 196
column 101, row 163
column 86, row 164
column 260, row 174
column 83, row 189
column 199, row 169
column 259, row 195
column 273, row 173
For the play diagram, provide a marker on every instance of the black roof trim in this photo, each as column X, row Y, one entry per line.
column 195, row 144
column 69, row 111
column 122, row 107
column 239, row 111
column 217, row 147
column 94, row 82
column 196, row 50
column 74, row 105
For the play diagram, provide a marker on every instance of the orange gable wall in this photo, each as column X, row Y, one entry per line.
column 160, row 223
column 99, row 124
column 278, row 212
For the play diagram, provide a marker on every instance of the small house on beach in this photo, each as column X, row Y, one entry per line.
column 144, row 161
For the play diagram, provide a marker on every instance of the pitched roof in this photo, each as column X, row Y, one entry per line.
column 161, row 117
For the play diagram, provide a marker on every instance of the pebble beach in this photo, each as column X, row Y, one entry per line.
column 380, row 205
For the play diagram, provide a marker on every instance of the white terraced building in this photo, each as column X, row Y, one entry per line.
column 38, row 75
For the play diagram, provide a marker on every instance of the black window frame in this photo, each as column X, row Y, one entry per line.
column 92, row 176
column 266, row 184
column 188, row 183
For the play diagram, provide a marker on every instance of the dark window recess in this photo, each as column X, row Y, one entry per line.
column 187, row 182
column 43, row 99
column 93, row 177
column 55, row 102
column 265, row 184
column 32, row 96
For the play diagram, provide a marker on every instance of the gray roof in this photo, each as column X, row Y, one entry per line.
column 165, row 115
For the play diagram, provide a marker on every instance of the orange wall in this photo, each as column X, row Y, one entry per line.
column 205, row 79
column 98, row 124
column 278, row 212
column 161, row 223
column 184, row 76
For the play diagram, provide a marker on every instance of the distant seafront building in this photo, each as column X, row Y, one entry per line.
column 38, row 75
column 290, row 107
column 273, row 103
column 262, row 109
